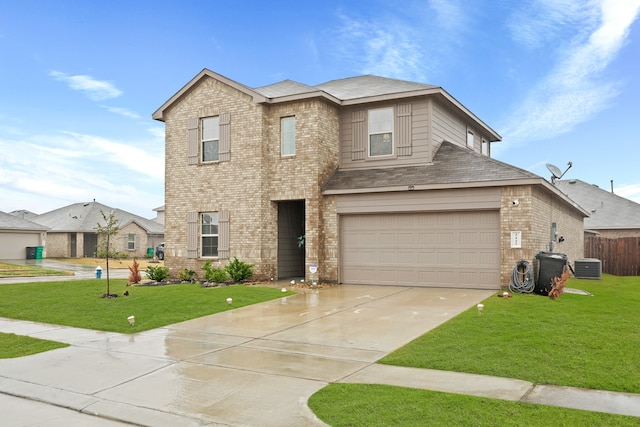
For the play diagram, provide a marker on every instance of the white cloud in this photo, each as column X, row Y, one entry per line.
column 574, row 91
column 67, row 167
column 629, row 191
column 96, row 90
column 122, row 111
column 382, row 47
column 450, row 14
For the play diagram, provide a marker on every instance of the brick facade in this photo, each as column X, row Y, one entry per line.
column 253, row 181
column 536, row 210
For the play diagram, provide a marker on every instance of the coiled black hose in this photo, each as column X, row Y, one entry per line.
column 521, row 278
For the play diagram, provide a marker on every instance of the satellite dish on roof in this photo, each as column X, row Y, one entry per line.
column 556, row 173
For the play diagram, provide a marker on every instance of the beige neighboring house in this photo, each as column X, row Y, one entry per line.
column 389, row 181
column 72, row 231
column 17, row 234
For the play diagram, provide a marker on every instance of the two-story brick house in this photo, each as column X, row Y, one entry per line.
column 389, row 181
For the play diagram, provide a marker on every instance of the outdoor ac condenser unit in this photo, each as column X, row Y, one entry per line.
column 588, row 268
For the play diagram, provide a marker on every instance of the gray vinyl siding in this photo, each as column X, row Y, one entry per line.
column 420, row 201
column 411, row 136
column 448, row 127
column 451, row 127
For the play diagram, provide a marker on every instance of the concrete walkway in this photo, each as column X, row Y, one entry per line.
column 253, row 366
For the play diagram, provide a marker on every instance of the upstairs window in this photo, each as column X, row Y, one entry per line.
column 288, row 136
column 209, row 234
column 469, row 139
column 381, row 132
column 210, row 139
column 485, row 147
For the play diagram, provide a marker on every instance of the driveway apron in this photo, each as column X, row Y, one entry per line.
column 252, row 366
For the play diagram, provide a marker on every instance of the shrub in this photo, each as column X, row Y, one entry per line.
column 112, row 255
column 186, row 275
column 157, row 273
column 213, row 274
column 238, row 270
column 134, row 272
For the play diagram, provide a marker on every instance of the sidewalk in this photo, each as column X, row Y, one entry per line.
column 256, row 365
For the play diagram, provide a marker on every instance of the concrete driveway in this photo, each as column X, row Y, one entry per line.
column 253, row 366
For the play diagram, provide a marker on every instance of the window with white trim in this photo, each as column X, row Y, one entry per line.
column 381, row 132
column 288, row 136
column 131, row 242
column 469, row 139
column 210, row 138
column 485, row 147
column 209, row 234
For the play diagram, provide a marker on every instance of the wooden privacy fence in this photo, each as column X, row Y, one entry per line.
column 620, row 256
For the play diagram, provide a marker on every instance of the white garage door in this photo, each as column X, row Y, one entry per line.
column 435, row 249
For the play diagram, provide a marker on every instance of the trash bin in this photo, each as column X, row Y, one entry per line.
column 39, row 251
column 149, row 252
column 550, row 265
column 31, row 252
column 98, row 272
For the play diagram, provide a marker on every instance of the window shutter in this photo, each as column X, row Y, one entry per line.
column 223, row 234
column 359, row 134
column 192, row 235
column 192, row 130
column 403, row 129
column 225, row 137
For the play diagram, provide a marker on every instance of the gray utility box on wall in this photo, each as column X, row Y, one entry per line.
column 588, row 268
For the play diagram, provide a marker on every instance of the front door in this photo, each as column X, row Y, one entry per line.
column 291, row 217
column 74, row 243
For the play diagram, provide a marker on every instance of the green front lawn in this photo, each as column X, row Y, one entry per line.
column 78, row 303
column 12, row 345
column 575, row 340
column 354, row 405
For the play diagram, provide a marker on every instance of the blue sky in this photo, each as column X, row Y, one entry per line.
column 79, row 80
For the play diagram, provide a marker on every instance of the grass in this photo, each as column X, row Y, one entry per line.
column 78, row 303
column 342, row 405
column 575, row 340
column 14, row 270
column 12, row 345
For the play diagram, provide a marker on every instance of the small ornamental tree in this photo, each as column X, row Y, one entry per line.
column 105, row 231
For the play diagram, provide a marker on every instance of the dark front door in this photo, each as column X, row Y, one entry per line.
column 290, row 228
column 74, row 245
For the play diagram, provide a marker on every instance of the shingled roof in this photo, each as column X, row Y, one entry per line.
column 451, row 165
column 13, row 222
column 83, row 217
column 608, row 210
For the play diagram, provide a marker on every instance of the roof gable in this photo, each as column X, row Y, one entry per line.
column 347, row 91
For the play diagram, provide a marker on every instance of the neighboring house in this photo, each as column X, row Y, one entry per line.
column 611, row 215
column 72, row 231
column 390, row 182
column 17, row 234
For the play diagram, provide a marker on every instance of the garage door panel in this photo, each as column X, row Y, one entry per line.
column 438, row 249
